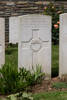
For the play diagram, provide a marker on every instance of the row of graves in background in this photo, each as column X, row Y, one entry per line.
column 33, row 35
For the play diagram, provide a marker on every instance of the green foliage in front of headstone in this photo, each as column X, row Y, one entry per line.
column 12, row 81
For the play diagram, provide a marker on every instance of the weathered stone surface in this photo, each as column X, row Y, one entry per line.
column 2, row 41
column 63, row 45
column 35, row 42
column 13, row 30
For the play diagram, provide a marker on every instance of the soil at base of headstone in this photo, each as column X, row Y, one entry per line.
column 46, row 86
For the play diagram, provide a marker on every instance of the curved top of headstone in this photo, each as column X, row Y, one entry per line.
column 34, row 15
column 63, row 23
column 35, row 22
column 63, row 14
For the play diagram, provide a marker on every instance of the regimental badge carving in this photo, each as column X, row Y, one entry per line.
column 36, row 44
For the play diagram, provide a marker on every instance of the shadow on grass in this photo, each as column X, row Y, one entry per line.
column 55, row 60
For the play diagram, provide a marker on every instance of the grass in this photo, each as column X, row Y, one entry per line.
column 58, row 95
column 59, row 85
column 12, row 56
column 51, row 96
column 55, row 60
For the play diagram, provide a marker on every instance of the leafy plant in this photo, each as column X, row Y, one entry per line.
column 38, row 74
column 32, row 78
column 12, row 81
column 8, row 79
column 20, row 96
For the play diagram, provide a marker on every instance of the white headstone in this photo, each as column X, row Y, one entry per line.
column 63, row 45
column 2, row 42
column 13, row 30
column 35, row 42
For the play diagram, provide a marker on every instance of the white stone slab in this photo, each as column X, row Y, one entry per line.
column 2, row 42
column 35, row 42
column 13, row 30
column 63, row 45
